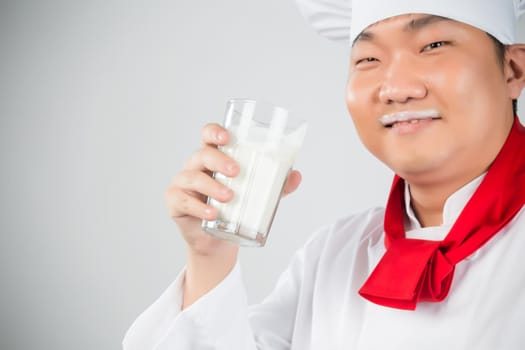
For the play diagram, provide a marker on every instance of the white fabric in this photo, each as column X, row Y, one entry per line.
column 315, row 304
column 520, row 7
column 344, row 20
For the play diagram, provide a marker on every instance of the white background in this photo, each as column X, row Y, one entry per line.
column 100, row 103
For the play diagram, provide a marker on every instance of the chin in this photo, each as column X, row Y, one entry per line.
column 415, row 167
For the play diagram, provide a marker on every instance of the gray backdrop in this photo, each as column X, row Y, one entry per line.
column 101, row 102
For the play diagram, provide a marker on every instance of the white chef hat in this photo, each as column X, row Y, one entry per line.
column 344, row 20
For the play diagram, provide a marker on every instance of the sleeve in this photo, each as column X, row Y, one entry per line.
column 222, row 320
column 218, row 320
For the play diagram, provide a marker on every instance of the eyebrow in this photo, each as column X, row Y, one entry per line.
column 412, row 26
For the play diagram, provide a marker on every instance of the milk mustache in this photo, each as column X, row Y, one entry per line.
column 265, row 156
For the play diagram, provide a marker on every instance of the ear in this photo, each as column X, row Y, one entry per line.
column 515, row 69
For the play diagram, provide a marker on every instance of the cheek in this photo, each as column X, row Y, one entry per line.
column 351, row 96
column 466, row 88
column 361, row 107
column 359, row 102
column 456, row 83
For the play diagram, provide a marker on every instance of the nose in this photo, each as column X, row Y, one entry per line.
column 403, row 82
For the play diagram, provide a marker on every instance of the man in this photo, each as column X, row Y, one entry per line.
column 430, row 91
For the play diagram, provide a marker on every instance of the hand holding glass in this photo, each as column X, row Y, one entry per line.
column 264, row 141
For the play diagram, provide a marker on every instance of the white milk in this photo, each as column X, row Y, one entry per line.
column 265, row 161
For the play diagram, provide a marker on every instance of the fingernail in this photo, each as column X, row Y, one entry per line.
column 220, row 136
column 226, row 192
column 232, row 167
column 207, row 212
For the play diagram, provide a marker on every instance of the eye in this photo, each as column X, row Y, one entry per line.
column 435, row 45
column 366, row 60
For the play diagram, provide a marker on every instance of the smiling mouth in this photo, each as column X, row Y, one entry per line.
column 411, row 117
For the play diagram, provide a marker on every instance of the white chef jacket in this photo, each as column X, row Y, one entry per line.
column 315, row 304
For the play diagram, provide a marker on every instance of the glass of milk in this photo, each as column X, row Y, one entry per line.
column 264, row 141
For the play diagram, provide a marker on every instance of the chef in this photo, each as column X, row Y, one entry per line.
column 432, row 90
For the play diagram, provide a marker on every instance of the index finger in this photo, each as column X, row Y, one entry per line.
column 215, row 135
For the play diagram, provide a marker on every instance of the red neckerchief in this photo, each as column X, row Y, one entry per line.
column 414, row 270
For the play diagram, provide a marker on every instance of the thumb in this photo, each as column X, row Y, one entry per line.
column 292, row 183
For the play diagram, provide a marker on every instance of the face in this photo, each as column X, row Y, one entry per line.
column 429, row 97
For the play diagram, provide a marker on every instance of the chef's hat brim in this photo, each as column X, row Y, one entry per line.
column 343, row 20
